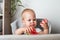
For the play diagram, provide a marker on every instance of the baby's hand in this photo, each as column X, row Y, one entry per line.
column 30, row 30
column 44, row 24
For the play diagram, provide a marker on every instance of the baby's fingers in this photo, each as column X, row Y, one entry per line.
column 27, row 31
column 45, row 20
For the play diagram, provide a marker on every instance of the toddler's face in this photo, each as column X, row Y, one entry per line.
column 29, row 19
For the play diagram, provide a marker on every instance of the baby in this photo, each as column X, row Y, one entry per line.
column 29, row 24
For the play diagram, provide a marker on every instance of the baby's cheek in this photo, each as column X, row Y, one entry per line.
column 35, row 23
column 27, row 24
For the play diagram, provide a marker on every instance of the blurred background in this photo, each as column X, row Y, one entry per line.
column 1, row 16
column 49, row 9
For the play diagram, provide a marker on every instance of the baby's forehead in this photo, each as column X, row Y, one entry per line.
column 28, row 12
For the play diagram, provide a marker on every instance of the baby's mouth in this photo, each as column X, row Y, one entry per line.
column 32, row 25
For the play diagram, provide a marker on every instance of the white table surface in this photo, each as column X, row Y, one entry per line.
column 30, row 37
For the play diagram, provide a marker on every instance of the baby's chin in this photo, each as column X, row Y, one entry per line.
column 32, row 26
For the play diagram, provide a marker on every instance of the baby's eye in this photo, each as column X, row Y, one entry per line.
column 29, row 20
column 34, row 19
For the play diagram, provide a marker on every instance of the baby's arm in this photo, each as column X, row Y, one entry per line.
column 43, row 32
column 44, row 25
column 19, row 31
column 26, row 30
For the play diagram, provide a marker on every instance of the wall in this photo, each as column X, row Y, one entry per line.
column 49, row 9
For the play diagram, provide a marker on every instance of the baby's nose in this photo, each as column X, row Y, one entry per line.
column 32, row 21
